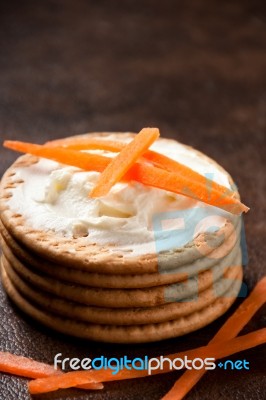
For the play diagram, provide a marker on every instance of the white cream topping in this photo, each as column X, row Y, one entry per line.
column 56, row 197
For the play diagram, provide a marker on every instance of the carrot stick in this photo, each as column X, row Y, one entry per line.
column 28, row 368
column 147, row 174
column 91, row 386
column 157, row 159
column 124, row 160
column 72, row 379
column 67, row 380
column 225, row 336
column 23, row 366
column 214, row 192
column 182, row 184
column 183, row 384
column 78, row 159
column 229, row 330
column 87, row 144
column 208, row 188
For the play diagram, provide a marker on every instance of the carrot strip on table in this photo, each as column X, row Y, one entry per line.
column 67, row 380
column 26, row 367
column 229, row 330
column 142, row 172
column 124, row 160
column 91, row 379
column 80, row 379
column 72, row 379
column 91, row 386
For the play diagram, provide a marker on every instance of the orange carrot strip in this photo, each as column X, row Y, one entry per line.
column 215, row 192
column 72, row 379
column 159, row 160
column 124, row 160
column 185, row 185
column 147, row 174
column 210, row 189
column 28, row 368
column 23, row 366
column 91, row 386
column 65, row 156
column 69, row 379
column 214, row 350
column 87, row 144
column 229, row 330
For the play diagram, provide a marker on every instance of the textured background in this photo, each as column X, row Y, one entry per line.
column 197, row 70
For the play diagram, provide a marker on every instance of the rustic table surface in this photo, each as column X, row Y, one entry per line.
column 197, row 70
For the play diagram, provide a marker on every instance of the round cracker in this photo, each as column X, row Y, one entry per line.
column 14, row 252
column 81, row 254
column 121, row 298
column 125, row 334
column 129, row 316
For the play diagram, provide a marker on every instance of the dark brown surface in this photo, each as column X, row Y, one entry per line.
column 196, row 69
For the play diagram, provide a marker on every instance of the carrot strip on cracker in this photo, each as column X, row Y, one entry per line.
column 187, row 182
column 73, row 379
column 124, row 160
column 209, row 188
column 87, row 144
column 89, row 162
column 229, row 330
column 212, row 189
column 206, row 188
column 181, row 184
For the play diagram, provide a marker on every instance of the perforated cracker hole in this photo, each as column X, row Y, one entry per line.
column 10, row 186
column 76, row 236
column 17, row 215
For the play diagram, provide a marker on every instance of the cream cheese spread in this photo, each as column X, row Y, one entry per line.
column 56, row 197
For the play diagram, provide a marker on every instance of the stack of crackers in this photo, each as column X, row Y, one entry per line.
column 91, row 291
